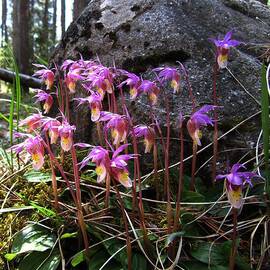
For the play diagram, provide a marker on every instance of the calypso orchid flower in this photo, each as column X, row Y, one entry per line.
column 66, row 135
column 52, row 126
column 118, row 124
column 151, row 89
column 46, row 75
column 149, row 136
column 42, row 96
column 133, row 81
column 119, row 168
column 170, row 74
column 95, row 103
column 197, row 120
column 115, row 167
column 235, row 181
column 100, row 157
column 223, row 46
column 32, row 122
column 71, row 79
column 34, row 147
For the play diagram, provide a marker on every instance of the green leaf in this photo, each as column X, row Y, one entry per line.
column 33, row 238
column 195, row 265
column 69, row 235
column 10, row 256
column 113, row 246
column 172, row 236
column 138, row 261
column 191, row 196
column 218, row 255
column 41, row 261
column 99, row 258
column 265, row 126
column 37, row 177
column 4, row 117
column 78, row 258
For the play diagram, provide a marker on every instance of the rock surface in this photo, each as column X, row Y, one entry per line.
column 142, row 34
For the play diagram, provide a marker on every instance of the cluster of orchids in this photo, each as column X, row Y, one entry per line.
column 99, row 82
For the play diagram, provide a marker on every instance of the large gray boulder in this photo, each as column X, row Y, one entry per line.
column 142, row 34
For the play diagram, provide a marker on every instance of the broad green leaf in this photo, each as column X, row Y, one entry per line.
column 100, row 257
column 37, row 177
column 78, row 258
column 138, row 261
column 195, row 265
column 33, row 238
column 41, row 261
column 217, row 256
column 113, row 246
column 10, row 256
column 191, row 196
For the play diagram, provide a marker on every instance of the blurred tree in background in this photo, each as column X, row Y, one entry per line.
column 32, row 28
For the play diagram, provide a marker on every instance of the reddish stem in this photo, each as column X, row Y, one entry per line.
column 189, row 87
column 194, row 158
column 61, row 170
column 234, row 246
column 54, row 181
column 180, row 183
column 79, row 202
column 129, row 250
column 108, row 186
column 215, row 138
column 167, row 171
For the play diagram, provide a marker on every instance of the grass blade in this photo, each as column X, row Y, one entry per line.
column 265, row 126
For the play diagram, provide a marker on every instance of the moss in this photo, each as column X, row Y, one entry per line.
column 13, row 222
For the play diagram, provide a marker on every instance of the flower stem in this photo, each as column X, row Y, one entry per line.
column 180, row 183
column 79, row 201
column 167, row 163
column 54, row 182
column 215, row 138
column 129, row 250
column 108, row 185
column 155, row 156
column 234, row 246
column 194, row 158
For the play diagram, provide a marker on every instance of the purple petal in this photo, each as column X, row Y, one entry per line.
column 228, row 36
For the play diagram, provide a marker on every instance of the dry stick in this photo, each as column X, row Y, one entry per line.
column 215, row 138
column 234, row 246
column 126, row 226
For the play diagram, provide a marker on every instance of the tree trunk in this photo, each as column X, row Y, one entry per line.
column 54, row 21
column 21, row 41
column 63, row 16
column 4, row 33
column 78, row 7
column 45, row 30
